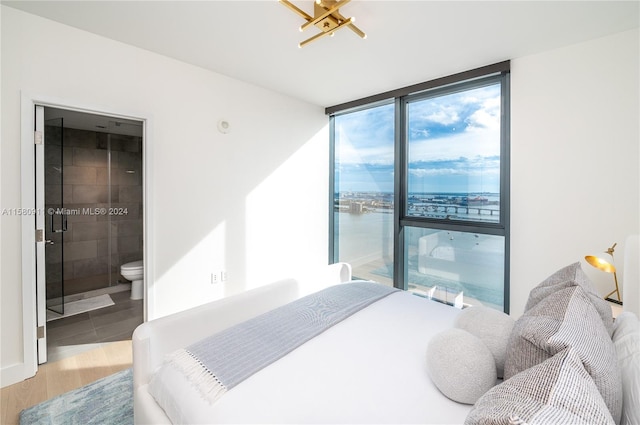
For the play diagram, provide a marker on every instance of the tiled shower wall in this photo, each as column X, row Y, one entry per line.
column 84, row 259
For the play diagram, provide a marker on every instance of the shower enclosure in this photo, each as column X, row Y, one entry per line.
column 93, row 202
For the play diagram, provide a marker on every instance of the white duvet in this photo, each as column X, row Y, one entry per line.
column 370, row 368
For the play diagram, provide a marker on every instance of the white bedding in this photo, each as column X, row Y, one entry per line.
column 370, row 368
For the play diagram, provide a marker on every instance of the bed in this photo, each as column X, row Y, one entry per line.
column 390, row 361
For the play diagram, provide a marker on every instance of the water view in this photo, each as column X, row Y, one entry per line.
column 451, row 262
column 450, row 148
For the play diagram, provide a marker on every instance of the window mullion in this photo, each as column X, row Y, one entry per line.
column 485, row 229
column 333, row 217
column 400, row 276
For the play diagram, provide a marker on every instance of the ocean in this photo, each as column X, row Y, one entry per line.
column 471, row 263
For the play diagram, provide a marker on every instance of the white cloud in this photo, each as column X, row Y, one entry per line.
column 445, row 115
column 488, row 116
column 481, row 142
column 425, row 172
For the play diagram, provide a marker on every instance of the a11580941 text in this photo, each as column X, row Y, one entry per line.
column 64, row 211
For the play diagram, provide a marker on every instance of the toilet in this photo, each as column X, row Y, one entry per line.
column 134, row 271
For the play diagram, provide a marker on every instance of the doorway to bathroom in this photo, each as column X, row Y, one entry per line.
column 90, row 178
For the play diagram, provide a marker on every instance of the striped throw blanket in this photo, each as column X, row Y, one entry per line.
column 223, row 360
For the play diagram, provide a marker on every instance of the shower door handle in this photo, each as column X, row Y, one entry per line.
column 64, row 224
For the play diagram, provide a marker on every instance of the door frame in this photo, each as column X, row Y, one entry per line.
column 28, row 192
column 40, row 223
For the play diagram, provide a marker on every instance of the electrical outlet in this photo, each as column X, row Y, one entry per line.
column 223, row 275
column 215, row 278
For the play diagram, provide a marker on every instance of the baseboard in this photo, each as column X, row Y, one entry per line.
column 13, row 374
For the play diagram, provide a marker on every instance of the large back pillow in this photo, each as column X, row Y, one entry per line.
column 557, row 391
column 567, row 318
column 566, row 277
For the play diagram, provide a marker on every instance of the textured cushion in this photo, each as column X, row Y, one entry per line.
column 626, row 338
column 493, row 327
column 567, row 318
column 626, row 323
column 557, row 391
column 571, row 275
column 460, row 365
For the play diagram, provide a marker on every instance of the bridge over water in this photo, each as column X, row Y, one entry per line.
column 456, row 209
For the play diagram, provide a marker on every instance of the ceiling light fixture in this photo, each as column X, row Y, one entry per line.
column 327, row 19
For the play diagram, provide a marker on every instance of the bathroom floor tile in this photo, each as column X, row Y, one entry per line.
column 67, row 336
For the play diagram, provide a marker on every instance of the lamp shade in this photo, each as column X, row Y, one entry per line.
column 600, row 264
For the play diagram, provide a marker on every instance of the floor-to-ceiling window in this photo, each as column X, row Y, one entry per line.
column 420, row 187
column 364, row 190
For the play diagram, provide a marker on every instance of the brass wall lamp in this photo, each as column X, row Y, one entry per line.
column 607, row 267
column 326, row 17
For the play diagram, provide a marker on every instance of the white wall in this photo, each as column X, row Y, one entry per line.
column 574, row 159
column 252, row 202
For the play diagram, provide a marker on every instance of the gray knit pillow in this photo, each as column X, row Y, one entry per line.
column 493, row 327
column 557, row 391
column 572, row 275
column 567, row 318
column 460, row 365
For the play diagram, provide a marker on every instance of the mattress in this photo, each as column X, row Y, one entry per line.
column 369, row 368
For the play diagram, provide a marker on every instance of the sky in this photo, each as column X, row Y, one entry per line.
column 453, row 145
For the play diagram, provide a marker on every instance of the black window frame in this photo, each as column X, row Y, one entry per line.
column 491, row 74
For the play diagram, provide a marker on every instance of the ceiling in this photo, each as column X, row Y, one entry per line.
column 92, row 122
column 407, row 42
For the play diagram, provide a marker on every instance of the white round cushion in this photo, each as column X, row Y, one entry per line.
column 493, row 327
column 460, row 365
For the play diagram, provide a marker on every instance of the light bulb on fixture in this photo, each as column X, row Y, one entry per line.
column 607, row 267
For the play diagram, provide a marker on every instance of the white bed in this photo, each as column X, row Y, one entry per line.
column 369, row 368
column 349, row 382
column 340, row 376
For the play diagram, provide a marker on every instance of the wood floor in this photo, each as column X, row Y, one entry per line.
column 64, row 375
column 81, row 349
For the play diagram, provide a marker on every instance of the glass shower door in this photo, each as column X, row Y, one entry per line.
column 56, row 217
